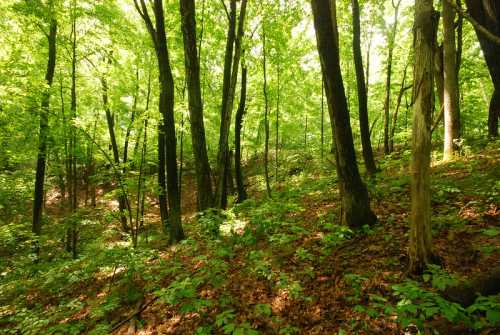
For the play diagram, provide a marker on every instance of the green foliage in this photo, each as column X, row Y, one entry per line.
column 417, row 305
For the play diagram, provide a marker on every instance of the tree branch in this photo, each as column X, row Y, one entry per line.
column 488, row 34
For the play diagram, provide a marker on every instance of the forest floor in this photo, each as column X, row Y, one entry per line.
column 272, row 266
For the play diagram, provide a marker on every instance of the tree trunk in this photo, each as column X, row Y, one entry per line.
column 166, row 131
column 487, row 14
column 402, row 90
column 114, row 147
column 355, row 203
column 392, row 39
column 362, row 92
column 420, row 247
column 322, row 119
column 277, row 139
column 266, row 113
column 451, row 89
column 43, row 132
column 231, row 67
column 240, row 113
column 192, row 65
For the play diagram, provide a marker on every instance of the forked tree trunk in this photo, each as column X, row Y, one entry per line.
column 451, row 89
column 362, row 91
column 231, row 68
column 43, row 132
column 240, row 113
column 192, row 65
column 420, row 247
column 356, row 210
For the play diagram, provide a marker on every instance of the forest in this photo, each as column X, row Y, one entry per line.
column 249, row 167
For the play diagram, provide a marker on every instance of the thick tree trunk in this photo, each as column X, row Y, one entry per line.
column 390, row 47
column 362, row 92
column 240, row 113
column 451, row 89
column 166, row 129
column 420, row 247
column 43, row 132
column 231, row 67
column 266, row 113
column 166, row 107
column 487, row 14
column 192, row 65
column 355, row 203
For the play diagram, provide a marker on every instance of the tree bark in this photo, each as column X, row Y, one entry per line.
column 451, row 89
column 166, row 136
column 231, row 67
column 362, row 91
column 356, row 210
column 420, row 247
column 392, row 39
column 402, row 90
column 240, row 113
column 266, row 113
column 192, row 65
column 43, row 132
column 114, row 147
column 487, row 14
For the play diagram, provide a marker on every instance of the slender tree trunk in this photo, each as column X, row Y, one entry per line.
column 131, row 122
column 362, row 92
column 420, row 247
column 322, row 119
column 266, row 113
column 231, row 67
column 356, row 210
column 368, row 53
column 110, row 120
column 192, row 65
column 402, row 91
column 487, row 14
column 451, row 88
column 387, row 105
column 43, row 132
column 240, row 113
column 277, row 143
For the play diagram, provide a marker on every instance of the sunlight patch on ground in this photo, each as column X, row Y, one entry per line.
column 232, row 227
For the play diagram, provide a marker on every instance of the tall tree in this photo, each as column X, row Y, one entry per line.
column 390, row 48
column 110, row 120
column 192, row 65
column 240, row 113
column 420, row 248
column 486, row 14
column 231, row 68
column 362, row 91
column 167, row 153
column 355, row 202
column 266, row 113
column 451, row 106
column 44, row 125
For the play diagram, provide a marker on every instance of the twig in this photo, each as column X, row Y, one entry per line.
column 133, row 315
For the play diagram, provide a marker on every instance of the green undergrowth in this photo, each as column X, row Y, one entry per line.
column 248, row 269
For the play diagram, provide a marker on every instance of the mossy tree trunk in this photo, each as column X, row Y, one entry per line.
column 420, row 247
